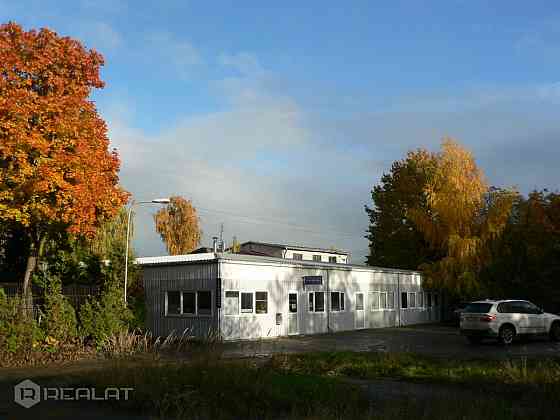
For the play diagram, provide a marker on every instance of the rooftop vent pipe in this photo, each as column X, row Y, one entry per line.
column 215, row 243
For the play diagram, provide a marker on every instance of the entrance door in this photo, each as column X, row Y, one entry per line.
column 360, row 315
column 292, row 313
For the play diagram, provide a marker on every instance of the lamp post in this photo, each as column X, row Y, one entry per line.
column 132, row 204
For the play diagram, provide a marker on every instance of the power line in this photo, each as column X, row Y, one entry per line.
column 258, row 220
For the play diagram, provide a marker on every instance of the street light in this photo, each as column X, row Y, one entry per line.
column 132, row 204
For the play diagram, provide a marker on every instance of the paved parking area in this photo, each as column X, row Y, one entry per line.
column 431, row 340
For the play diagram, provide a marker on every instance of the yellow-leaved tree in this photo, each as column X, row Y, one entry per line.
column 178, row 225
column 460, row 217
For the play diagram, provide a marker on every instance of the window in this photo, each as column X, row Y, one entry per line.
column 317, row 302
column 404, row 300
column 420, row 299
column 517, row 307
column 332, row 259
column 246, row 302
column 297, row 256
column 390, row 300
column 374, row 301
column 412, row 300
column 317, row 258
column 435, row 299
column 337, row 301
column 429, row 296
column 482, row 308
column 292, row 302
column 359, row 301
column 231, row 306
column 189, row 303
column 174, row 303
column 383, row 300
column 261, row 302
column 204, row 302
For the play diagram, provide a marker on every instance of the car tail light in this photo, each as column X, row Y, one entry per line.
column 488, row 318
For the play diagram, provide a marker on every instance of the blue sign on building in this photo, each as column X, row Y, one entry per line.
column 312, row 280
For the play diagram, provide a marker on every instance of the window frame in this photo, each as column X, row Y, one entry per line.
column 189, row 315
column 341, row 301
column 314, row 309
column 241, row 310
column 167, row 302
column 420, row 300
column 404, row 302
column 363, row 301
column 392, row 308
column 238, row 302
column 211, row 303
column 261, row 300
column 379, row 293
column 195, row 306
column 410, row 301
column 372, row 300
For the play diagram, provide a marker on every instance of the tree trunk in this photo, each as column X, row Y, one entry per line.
column 34, row 254
column 27, row 301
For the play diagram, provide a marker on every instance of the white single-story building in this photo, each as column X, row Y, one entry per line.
column 248, row 297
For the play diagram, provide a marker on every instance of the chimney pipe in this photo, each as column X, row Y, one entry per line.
column 215, row 243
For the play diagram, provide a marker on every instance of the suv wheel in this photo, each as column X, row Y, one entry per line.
column 555, row 331
column 507, row 334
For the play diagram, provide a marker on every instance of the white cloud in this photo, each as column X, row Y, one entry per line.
column 100, row 36
column 180, row 54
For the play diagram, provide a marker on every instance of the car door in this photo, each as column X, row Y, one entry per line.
column 519, row 317
column 535, row 317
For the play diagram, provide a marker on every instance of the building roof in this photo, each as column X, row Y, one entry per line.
column 299, row 248
column 208, row 257
column 202, row 250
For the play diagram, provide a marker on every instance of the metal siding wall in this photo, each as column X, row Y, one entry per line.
column 159, row 279
column 278, row 281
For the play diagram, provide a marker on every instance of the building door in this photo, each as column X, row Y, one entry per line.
column 293, row 313
column 360, row 314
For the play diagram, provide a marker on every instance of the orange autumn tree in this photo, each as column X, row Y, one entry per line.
column 461, row 217
column 56, row 170
column 178, row 225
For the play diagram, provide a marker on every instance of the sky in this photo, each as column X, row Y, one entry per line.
column 277, row 118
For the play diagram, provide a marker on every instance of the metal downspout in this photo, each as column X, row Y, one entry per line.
column 219, row 310
column 327, row 304
column 399, row 297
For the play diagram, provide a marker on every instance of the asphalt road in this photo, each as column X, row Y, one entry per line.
column 431, row 340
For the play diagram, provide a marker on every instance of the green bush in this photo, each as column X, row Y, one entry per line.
column 19, row 331
column 59, row 321
column 104, row 317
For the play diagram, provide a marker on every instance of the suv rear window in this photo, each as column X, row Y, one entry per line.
column 478, row 308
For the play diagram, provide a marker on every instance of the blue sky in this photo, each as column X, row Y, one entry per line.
column 277, row 119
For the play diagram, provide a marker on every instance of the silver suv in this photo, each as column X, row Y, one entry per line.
column 506, row 319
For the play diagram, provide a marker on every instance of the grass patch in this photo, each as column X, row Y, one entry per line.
column 317, row 386
column 231, row 390
column 413, row 367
